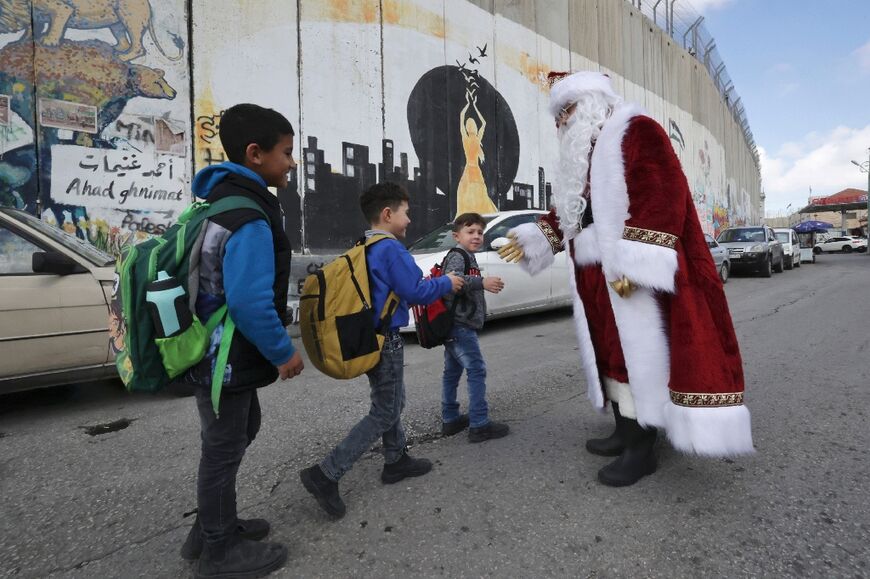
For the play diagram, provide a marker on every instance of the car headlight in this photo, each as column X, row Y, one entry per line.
column 757, row 248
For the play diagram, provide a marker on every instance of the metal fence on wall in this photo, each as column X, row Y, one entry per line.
column 686, row 26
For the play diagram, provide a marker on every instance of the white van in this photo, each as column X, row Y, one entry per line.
column 791, row 247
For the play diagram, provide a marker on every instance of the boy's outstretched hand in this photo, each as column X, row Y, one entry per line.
column 457, row 282
column 292, row 368
column 493, row 284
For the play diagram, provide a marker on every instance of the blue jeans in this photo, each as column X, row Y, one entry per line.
column 462, row 352
column 384, row 418
column 224, row 441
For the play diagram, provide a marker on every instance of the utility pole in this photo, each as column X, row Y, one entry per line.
column 865, row 167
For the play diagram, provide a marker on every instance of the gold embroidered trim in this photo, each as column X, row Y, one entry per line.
column 707, row 400
column 649, row 236
column 552, row 237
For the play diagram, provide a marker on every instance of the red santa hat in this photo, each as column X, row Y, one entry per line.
column 565, row 88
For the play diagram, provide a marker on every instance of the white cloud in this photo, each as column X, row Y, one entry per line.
column 863, row 56
column 820, row 161
column 705, row 6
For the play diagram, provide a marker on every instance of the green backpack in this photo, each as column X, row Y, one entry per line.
column 156, row 335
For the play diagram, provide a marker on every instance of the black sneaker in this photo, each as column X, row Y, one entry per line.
column 324, row 490
column 252, row 529
column 455, row 427
column 239, row 557
column 404, row 468
column 488, row 432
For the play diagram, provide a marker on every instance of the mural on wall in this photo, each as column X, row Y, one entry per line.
column 76, row 149
column 462, row 166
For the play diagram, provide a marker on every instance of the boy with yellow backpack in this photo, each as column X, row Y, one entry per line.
column 392, row 273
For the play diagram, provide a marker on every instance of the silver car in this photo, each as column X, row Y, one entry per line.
column 753, row 248
column 720, row 258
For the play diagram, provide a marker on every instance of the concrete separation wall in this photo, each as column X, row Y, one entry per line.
column 424, row 92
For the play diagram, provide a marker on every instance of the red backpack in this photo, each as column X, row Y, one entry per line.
column 435, row 321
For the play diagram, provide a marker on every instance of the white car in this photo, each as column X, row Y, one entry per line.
column 846, row 244
column 791, row 247
column 522, row 293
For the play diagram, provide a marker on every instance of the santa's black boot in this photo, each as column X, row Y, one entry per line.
column 614, row 444
column 636, row 461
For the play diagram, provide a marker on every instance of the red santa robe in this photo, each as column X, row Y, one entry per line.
column 672, row 340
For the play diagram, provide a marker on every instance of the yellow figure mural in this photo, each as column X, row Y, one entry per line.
column 472, row 195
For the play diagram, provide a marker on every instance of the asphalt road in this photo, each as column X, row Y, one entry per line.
column 112, row 505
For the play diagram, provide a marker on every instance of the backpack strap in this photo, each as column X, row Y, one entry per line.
column 233, row 202
column 392, row 301
column 229, row 203
column 465, row 271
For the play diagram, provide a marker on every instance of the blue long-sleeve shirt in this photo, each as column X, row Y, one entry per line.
column 391, row 267
column 248, row 275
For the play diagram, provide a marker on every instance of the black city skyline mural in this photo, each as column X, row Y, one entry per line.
column 466, row 139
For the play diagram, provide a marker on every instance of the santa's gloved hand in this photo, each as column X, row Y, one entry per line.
column 623, row 287
column 512, row 252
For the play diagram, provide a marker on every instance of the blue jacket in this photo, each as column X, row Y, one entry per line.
column 248, row 274
column 391, row 267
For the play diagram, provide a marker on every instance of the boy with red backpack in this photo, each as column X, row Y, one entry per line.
column 462, row 349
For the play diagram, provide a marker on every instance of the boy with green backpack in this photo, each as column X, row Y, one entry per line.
column 244, row 263
column 206, row 303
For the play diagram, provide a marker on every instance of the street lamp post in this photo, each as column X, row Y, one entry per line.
column 865, row 167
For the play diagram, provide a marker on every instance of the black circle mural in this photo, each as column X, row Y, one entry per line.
column 464, row 134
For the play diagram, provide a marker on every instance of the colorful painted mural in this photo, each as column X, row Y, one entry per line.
column 97, row 140
column 444, row 96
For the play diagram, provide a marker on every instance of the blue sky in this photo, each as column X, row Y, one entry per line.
column 802, row 68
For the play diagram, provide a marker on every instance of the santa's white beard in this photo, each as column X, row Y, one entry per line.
column 575, row 143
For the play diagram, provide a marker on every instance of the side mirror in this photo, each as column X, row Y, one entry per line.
column 498, row 243
column 55, row 262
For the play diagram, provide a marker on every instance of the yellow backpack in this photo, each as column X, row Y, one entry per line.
column 335, row 315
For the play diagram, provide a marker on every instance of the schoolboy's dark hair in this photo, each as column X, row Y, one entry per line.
column 380, row 195
column 468, row 219
column 243, row 124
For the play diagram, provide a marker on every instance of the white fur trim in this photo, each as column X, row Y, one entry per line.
column 712, row 432
column 607, row 184
column 568, row 90
column 620, row 393
column 646, row 351
column 587, row 352
column 537, row 252
column 586, row 250
column 645, row 264
column 641, row 327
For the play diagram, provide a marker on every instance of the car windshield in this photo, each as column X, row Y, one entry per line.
column 81, row 247
column 783, row 236
column 746, row 234
column 440, row 239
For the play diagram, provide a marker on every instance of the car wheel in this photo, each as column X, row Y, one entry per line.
column 847, row 249
column 766, row 268
column 817, row 250
column 779, row 267
column 789, row 263
column 723, row 272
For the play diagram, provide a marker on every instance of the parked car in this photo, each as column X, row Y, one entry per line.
column 522, row 293
column 846, row 244
column 753, row 248
column 791, row 246
column 720, row 257
column 55, row 291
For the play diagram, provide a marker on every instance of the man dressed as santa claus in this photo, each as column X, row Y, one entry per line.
column 656, row 337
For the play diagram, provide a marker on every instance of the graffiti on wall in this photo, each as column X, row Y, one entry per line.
column 73, row 128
